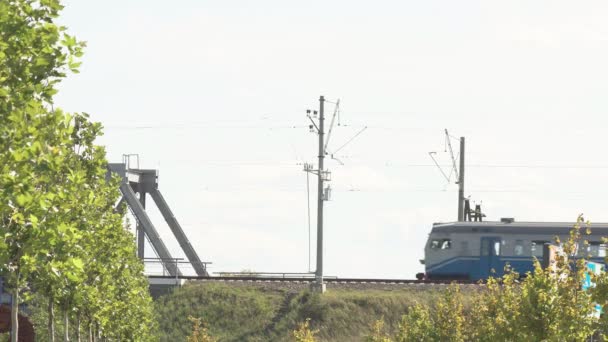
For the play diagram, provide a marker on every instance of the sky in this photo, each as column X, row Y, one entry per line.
column 213, row 94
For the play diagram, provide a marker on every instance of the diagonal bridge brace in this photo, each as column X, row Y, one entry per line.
column 146, row 182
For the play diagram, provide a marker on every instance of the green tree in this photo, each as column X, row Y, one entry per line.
column 500, row 301
column 444, row 322
column 34, row 56
column 546, row 305
column 60, row 233
column 449, row 316
column 416, row 325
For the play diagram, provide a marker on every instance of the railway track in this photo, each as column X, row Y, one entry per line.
column 257, row 279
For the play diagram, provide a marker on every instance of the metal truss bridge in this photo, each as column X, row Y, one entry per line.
column 135, row 184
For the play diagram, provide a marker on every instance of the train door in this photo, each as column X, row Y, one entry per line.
column 489, row 257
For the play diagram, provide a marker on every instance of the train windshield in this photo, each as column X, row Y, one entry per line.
column 441, row 244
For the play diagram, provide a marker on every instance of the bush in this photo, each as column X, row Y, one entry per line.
column 547, row 305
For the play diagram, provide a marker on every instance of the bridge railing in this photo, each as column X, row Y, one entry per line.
column 156, row 267
column 281, row 275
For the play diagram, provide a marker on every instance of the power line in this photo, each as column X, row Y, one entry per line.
column 331, row 125
column 350, row 140
column 397, row 189
column 199, row 126
column 382, row 163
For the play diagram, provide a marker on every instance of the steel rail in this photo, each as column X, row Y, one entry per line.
column 311, row 279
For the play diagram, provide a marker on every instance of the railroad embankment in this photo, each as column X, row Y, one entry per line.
column 271, row 311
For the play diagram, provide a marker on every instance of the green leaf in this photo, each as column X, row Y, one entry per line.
column 41, row 61
column 33, row 220
column 23, row 199
column 77, row 263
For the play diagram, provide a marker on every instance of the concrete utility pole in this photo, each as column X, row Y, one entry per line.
column 320, row 286
column 461, row 183
column 323, row 193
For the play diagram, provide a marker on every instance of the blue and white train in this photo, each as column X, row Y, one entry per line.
column 477, row 250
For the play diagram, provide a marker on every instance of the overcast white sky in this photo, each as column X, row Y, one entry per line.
column 214, row 93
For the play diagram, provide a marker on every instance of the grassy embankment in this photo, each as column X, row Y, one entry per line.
column 258, row 313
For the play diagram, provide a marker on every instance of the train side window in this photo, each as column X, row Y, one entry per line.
column 435, row 244
column 519, row 247
column 537, row 248
column 446, row 244
column 497, row 248
column 596, row 249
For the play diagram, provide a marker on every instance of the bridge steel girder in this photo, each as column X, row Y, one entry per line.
column 143, row 218
column 177, row 230
column 145, row 181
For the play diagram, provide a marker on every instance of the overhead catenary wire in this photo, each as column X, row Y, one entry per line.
column 350, row 140
column 199, row 126
column 399, row 189
column 431, row 154
column 331, row 125
column 447, row 139
column 380, row 163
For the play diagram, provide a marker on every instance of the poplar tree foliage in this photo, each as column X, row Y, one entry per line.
column 59, row 233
